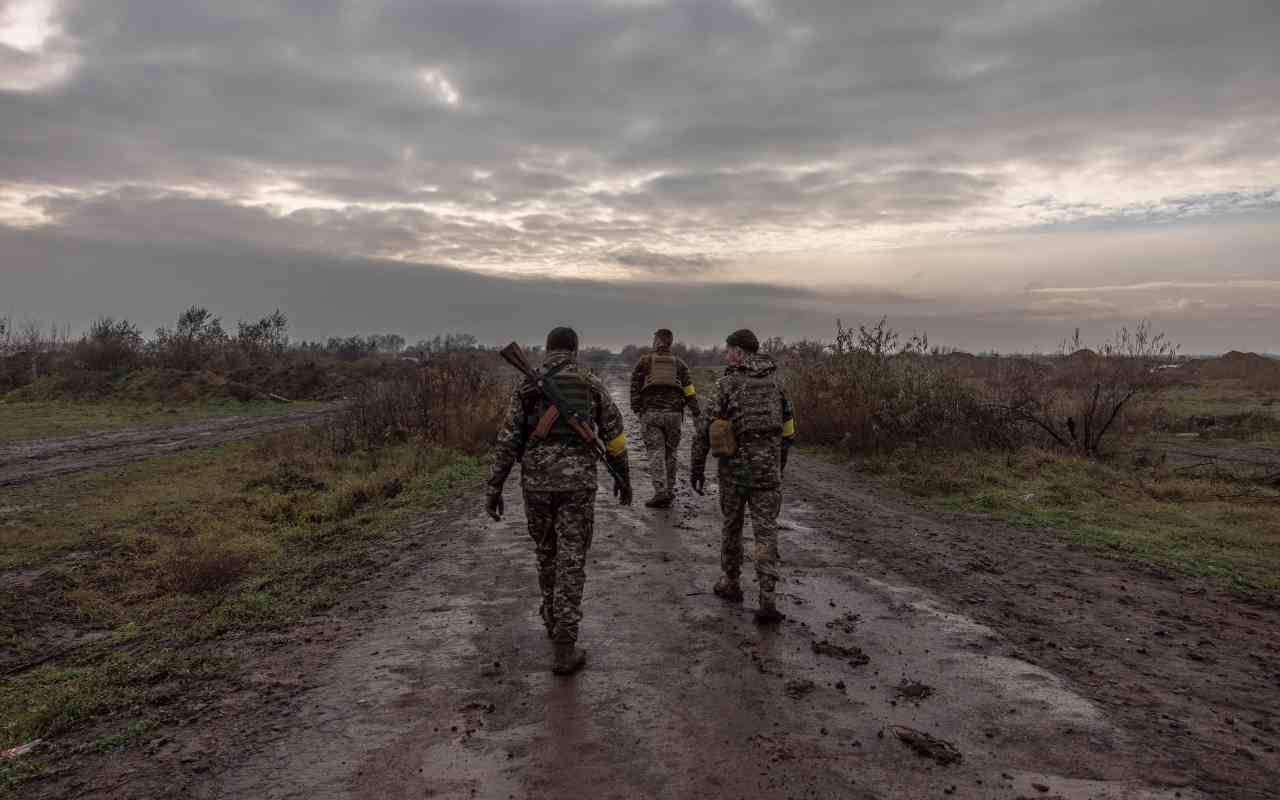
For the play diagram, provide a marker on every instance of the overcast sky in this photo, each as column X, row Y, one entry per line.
column 993, row 173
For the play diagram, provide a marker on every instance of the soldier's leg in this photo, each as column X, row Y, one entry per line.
column 575, row 522
column 733, row 507
column 765, row 505
column 654, row 449
column 673, row 430
column 539, row 510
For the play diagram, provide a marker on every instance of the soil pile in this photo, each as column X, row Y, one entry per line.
column 1250, row 369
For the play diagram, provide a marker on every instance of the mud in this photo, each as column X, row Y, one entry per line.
column 25, row 462
column 443, row 689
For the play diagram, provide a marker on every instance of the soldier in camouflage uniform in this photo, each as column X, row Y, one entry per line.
column 751, row 397
column 661, row 389
column 558, row 477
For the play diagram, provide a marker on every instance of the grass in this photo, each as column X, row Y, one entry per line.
column 140, row 587
column 1219, row 528
column 44, row 419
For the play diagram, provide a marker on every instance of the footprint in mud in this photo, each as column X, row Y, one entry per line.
column 799, row 687
column 853, row 654
column 913, row 691
column 845, row 623
column 928, row 746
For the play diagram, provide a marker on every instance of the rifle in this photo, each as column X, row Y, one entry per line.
column 514, row 355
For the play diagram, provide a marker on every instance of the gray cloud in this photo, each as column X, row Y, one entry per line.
column 648, row 140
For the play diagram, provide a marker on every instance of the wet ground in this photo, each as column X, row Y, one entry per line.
column 923, row 656
column 27, row 461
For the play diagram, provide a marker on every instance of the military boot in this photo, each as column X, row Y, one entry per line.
column 768, row 613
column 728, row 589
column 569, row 658
column 659, row 501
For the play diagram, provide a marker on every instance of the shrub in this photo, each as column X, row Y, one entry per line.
column 1081, row 395
column 869, row 392
column 197, row 566
column 455, row 400
column 109, row 346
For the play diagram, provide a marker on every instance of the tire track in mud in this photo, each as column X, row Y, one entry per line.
column 447, row 693
column 30, row 461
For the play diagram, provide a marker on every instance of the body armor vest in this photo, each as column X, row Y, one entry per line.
column 576, row 391
column 755, row 406
column 663, row 372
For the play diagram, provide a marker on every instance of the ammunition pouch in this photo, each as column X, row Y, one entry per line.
column 723, row 442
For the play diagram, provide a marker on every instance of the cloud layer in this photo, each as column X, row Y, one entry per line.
column 640, row 140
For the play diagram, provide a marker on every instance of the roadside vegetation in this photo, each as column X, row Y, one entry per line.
column 127, row 593
column 1127, row 447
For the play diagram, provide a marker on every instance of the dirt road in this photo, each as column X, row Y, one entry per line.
column 24, row 462
column 923, row 656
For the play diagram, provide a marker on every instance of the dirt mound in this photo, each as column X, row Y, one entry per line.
column 1250, row 369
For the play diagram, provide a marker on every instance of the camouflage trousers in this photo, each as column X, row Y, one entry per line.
column 661, row 440
column 765, row 505
column 561, row 524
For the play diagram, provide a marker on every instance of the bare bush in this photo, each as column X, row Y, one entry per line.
column 869, row 391
column 197, row 566
column 194, row 344
column 455, row 400
column 110, row 345
column 1076, row 399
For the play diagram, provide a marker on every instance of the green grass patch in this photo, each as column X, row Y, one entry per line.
column 1223, row 529
column 134, row 576
column 46, row 419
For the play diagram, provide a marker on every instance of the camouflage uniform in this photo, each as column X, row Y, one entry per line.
column 558, row 476
column 751, row 479
column 661, row 412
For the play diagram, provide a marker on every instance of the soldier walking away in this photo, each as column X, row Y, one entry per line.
column 558, row 478
column 749, row 424
column 661, row 388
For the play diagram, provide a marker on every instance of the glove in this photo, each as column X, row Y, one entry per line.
column 621, row 488
column 698, row 480
column 622, row 491
column 493, row 504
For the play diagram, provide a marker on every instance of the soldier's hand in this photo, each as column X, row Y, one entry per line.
column 699, row 482
column 494, row 505
column 622, row 491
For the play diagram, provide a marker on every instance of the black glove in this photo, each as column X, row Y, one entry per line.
column 698, row 480
column 622, row 484
column 493, row 504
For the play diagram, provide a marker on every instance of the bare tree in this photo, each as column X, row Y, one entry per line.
column 1078, row 398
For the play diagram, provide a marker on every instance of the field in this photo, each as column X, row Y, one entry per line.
column 166, row 609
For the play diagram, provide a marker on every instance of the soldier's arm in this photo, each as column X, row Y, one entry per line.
column 788, row 426
column 690, row 391
column 702, row 434
column 510, row 441
column 637, row 384
column 610, row 425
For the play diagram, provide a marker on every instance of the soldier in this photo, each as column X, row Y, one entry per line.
column 759, row 414
column 558, row 478
column 660, row 390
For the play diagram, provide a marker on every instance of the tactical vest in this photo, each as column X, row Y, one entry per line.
column 663, row 372
column 755, row 406
column 576, row 391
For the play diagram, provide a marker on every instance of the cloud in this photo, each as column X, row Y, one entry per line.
column 815, row 145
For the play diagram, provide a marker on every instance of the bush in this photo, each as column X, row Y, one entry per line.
column 868, row 392
column 455, row 400
column 1081, row 395
column 109, row 346
column 197, row 566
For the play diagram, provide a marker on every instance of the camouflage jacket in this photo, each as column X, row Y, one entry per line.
column 757, row 464
column 663, row 398
column 557, row 463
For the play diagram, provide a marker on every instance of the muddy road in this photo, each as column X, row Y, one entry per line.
column 923, row 656
column 25, row 462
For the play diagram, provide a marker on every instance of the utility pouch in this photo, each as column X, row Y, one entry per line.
column 723, row 443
